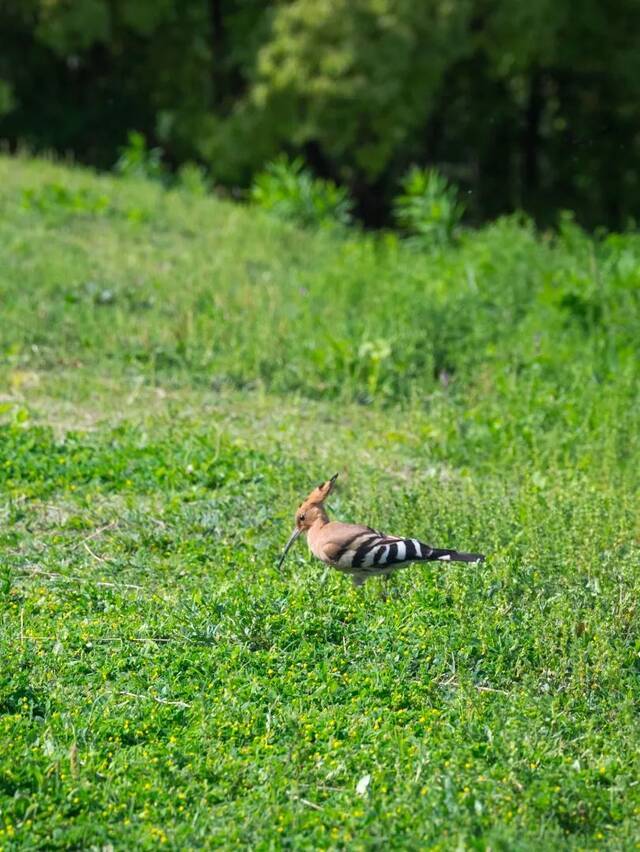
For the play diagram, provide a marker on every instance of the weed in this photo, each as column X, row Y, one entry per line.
column 137, row 160
column 287, row 189
column 428, row 208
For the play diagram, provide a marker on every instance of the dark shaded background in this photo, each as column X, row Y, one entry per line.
column 526, row 105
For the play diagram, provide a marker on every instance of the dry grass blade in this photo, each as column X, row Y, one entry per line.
column 154, row 698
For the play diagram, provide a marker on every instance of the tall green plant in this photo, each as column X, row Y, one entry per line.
column 289, row 190
column 429, row 207
column 138, row 160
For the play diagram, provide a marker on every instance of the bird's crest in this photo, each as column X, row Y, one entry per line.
column 320, row 494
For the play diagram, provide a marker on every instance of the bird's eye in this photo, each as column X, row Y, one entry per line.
column 301, row 517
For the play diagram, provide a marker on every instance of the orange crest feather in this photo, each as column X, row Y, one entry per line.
column 320, row 494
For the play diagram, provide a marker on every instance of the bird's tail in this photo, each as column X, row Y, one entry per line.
column 432, row 554
column 374, row 553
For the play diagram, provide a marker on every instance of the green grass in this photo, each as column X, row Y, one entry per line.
column 175, row 374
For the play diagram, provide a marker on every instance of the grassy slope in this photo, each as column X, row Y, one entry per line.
column 175, row 373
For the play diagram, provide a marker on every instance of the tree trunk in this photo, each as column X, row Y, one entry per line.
column 531, row 139
column 216, row 22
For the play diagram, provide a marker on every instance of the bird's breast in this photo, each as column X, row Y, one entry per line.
column 316, row 542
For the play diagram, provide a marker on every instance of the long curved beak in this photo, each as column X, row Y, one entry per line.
column 293, row 537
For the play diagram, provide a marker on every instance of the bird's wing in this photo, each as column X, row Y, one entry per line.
column 362, row 550
column 347, row 545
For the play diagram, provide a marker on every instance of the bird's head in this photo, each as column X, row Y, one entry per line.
column 310, row 511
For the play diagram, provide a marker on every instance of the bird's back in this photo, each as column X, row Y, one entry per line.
column 339, row 544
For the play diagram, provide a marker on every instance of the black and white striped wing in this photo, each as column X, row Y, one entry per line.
column 369, row 552
column 373, row 551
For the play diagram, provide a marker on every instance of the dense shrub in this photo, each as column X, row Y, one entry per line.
column 138, row 160
column 428, row 207
column 289, row 190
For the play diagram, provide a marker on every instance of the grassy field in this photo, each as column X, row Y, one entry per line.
column 175, row 374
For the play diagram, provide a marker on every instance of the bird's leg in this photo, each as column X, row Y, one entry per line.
column 389, row 586
column 384, row 587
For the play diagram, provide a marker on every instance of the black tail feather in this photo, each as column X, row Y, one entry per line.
column 442, row 554
column 372, row 552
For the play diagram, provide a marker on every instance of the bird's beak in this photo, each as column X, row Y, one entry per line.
column 293, row 537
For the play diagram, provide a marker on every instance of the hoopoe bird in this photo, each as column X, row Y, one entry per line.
column 358, row 550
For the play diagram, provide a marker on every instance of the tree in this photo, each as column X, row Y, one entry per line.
column 527, row 105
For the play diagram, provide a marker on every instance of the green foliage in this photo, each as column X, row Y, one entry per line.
column 360, row 88
column 35, row 462
column 192, row 178
column 137, row 160
column 53, row 197
column 360, row 318
column 169, row 390
column 155, row 659
column 56, row 202
column 77, row 26
column 289, row 190
column 428, row 207
column 343, row 74
column 7, row 101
